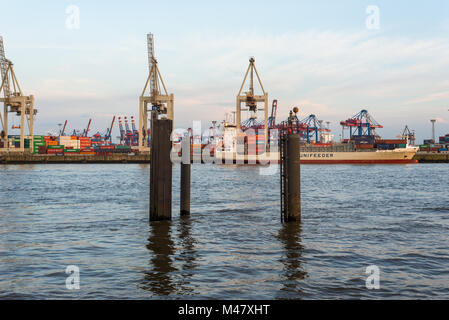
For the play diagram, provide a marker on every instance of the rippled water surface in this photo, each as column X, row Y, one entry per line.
column 233, row 246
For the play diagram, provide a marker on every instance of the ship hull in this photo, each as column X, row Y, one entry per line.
column 375, row 161
column 398, row 156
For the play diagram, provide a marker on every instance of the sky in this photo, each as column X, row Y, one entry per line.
column 329, row 58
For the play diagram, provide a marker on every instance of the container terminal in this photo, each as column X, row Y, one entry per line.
column 233, row 139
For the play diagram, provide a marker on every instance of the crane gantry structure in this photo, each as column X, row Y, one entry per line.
column 312, row 126
column 251, row 100
column 161, row 102
column 14, row 102
column 361, row 124
column 409, row 135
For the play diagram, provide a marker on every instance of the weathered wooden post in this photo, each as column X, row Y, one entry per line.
column 290, row 171
column 160, row 169
column 185, row 176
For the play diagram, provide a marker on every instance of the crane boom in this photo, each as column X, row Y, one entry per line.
column 154, row 97
column 63, row 129
column 272, row 118
column 112, row 125
column 150, row 45
column 87, row 129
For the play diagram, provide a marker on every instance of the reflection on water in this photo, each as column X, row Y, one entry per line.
column 187, row 255
column 161, row 246
column 170, row 269
column 233, row 246
column 290, row 237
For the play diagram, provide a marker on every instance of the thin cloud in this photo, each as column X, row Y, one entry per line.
column 331, row 74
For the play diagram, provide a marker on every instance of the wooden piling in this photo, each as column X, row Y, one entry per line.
column 160, row 170
column 290, row 177
column 294, row 178
column 185, row 177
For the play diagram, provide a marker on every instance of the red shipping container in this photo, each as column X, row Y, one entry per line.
column 42, row 150
column 391, row 141
column 364, row 146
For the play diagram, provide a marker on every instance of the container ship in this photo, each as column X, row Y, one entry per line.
column 385, row 152
column 393, row 151
column 240, row 147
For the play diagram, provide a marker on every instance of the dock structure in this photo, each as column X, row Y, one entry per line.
column 160, row 169
column 427, row 157
column 28, row 158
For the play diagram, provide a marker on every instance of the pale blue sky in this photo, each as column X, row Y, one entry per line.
column 316, row 54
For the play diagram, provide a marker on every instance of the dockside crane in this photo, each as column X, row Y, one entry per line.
column 312, row 126
column 61, row 133
column 128, row 133
column 86, row 131
column 160, row 102
column 108, row 135
column 361, row 124
column 122, row 131
column 272, row 118
column 135, row 133
column 14, row 101
column 250, row 99
column 409, row 135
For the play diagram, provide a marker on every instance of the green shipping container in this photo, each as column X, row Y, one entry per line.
column 56, row 147
column 402, row 145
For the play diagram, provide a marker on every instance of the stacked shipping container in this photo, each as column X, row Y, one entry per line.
column 71, row 145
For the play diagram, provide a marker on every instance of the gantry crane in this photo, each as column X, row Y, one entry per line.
column 108, row 135
column 251, row 100
column 61, row 132
column 362, row 123
column 313, row 126
column 272, row 118
column 409, row 135
column 86, row 131
column 161, row 102
column 14, row 101
column 122, row 131
column 128, row 133
column 135, row 133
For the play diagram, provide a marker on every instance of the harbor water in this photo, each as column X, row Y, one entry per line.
column 233, row 246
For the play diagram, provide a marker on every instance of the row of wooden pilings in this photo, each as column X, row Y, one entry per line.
column 161, row 174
